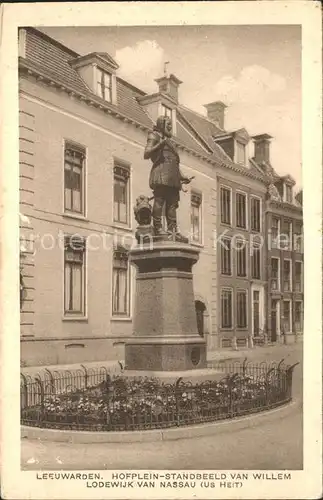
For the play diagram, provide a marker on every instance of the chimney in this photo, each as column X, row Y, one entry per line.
column 262, row 148
column 215, row 112
column 169, row 85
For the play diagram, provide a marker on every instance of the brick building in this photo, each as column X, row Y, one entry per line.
column 284, row 265
column 83, row 131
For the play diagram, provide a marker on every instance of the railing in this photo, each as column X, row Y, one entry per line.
column 92, row 399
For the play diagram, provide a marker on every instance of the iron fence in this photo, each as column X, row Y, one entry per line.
column 93, row 399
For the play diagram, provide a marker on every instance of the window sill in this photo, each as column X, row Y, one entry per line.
column 128, row 319
column 197, row 244
column 227, row 275
column 75, row 216
column 75, row 318
column 226, row 224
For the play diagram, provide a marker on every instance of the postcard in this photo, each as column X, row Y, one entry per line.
column 161, row 250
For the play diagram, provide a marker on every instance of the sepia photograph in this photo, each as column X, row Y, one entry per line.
column 162, row 256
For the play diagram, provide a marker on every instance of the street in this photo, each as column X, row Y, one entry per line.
column 271, row 441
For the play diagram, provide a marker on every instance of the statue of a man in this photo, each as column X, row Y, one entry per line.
column 165, row 178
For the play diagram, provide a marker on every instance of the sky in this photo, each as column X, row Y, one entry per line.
column 255, row 70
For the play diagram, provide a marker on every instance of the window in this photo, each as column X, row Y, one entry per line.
column 120, row 292
column 299, row 316
column 196, row 217
column 255, row 214
column 298, row 276
column 241, row 258
column 104, row 86
column 74, row 276
column 226, row 308
column 275, row 228
column 286, row 316
column 241, row 309
column 287, row 276
column 286, row 235
column 166, row 111
column 121, row 193
column 298, row 237
column 289, row 194
column 240, row 153
column 226, row 256
column 74, row 166
column 255, row 262
column 275, row 282
column 225, row 205
column 241, row 212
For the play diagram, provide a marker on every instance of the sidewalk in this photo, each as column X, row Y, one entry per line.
column 214, row 356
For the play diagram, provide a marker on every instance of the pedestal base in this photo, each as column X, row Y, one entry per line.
column 171, row 377
column 165, row 335
column 158, row 355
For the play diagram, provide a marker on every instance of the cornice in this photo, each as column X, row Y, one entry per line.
column 157, row 96
column 285, row 206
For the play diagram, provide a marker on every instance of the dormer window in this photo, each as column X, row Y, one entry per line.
column 288, row 194
column 165, row 111
column 235, row 145
column 170, row 113
column 98, row 71
column 287, row 184
column 104, row 85
column 240, row 153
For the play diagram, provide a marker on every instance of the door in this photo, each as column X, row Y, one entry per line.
column 200, row 308
column 256, row 312
column 274, row 318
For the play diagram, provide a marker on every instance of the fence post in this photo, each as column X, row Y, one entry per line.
column 176, row 391
column 230, row 387
column 51, row 378
column 23, row 390
column 86, row 376
column 244, row 366
column 39, row 381
column 289, row 379
column 267, row 384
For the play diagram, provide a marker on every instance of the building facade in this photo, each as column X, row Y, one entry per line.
column 82, row 135
column 284, row 265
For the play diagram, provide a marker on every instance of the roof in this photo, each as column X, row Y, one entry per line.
column 101, row 56
column 273, row 180
column 52, row 60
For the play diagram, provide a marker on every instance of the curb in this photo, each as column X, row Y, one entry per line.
column 187, row 432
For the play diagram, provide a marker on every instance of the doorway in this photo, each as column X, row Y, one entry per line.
column 256, row 312
column 200, row 309
column 274, row 319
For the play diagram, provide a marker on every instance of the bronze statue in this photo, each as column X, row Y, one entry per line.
column 166, row 178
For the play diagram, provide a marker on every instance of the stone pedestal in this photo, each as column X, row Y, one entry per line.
column 165, row 336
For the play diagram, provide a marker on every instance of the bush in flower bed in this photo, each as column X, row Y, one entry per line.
column 126, row 403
